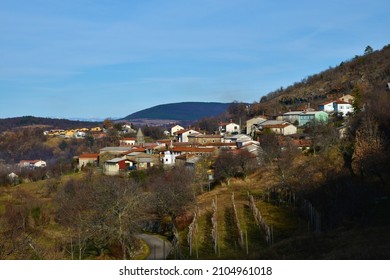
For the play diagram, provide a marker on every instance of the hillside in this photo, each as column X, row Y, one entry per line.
column 368, row 73
column 10, row 123
column 184, row 111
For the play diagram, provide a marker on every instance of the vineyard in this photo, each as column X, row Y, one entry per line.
column 237, row 222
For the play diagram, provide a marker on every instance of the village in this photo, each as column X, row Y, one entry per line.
column 186, row 146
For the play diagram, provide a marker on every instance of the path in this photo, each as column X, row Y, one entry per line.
column 159, row 248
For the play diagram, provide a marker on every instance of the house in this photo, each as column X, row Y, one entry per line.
column 292, row 117
column 343, row 108
column 278, row 127
column 115, row 165
column 127, row 141
column 182, row 135
column 220, row 146
column 228, row 128
column 126, row 128
column 32, row 164
column 253, row 121
column 139, row 160
column 327, row 106
column 88, row 159
column 169, row 157
column 204, row 138
column 187, row 160
column 175, row 129
column 347, row 98
column 315, row 116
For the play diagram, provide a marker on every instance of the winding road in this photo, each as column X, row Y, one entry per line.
column 159, row 248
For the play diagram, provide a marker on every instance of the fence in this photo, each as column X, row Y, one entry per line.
column 267, row 230
column 238, row 226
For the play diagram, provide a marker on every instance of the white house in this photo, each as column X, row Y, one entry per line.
column 175, row 129
column 228, row 128
column 343, row 108
column 169, row 158
column 126, row 128
column 182, row 135
column 327, row 106
column 253, row 121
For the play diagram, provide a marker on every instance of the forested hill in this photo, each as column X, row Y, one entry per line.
column 11, row 123
column 368, row 73
column 184, row 111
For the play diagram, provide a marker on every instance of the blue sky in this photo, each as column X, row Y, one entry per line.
column 110, row 58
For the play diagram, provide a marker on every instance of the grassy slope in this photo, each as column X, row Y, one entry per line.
column 291, row 237
column 292, row 240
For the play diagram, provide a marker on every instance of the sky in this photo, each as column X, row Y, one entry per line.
column 110, row 58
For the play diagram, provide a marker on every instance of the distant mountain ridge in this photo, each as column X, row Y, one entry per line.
column 183, row 111
column 25, row 121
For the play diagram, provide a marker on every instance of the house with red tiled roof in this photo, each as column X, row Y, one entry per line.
column 327, row 106
column 204, row 138
column 88, row 159
column 343, row 108
column 278, row 127
column 170, row 155
column 175, row 129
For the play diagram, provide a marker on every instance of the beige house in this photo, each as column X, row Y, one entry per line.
column 115, row 165
column 347, row 98
column 88, row 159
column 127, row 141
column 175, row 129
column 278, row 127
column 140, row 160
column 250, row 123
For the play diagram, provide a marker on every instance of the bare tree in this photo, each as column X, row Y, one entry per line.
column 369, row 156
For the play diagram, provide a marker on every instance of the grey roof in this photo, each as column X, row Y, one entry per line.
column 272, row 122
column 115, row 160
column 293, row 113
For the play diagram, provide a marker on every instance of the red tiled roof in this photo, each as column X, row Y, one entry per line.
column 182, row 131
column 326, row 102
column 193, row 150
column 89, row 156
column 342, row 102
